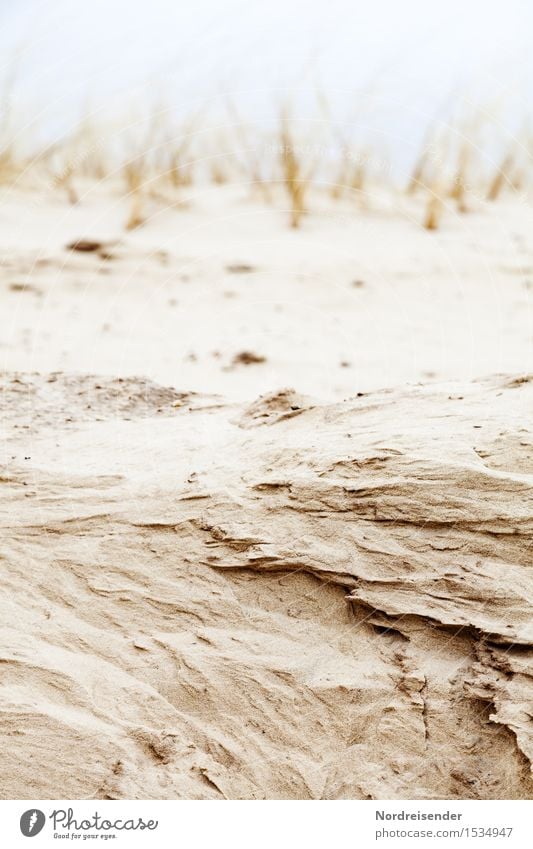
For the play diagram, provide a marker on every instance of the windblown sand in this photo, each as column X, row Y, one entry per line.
column 280, row 545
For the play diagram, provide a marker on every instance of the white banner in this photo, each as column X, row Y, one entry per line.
column 267, row 825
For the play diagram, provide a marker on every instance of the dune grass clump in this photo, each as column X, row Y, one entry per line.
column 177, row 154
column 250, row 159
column 161, row 166
column 434, row 208
column 419, row 174
column 9, row 166
column 65, row 180
column 460, row 181
column 501, row 178
column 11, row 163
column 134, row 174
column 218, row 174
column 352, row 173
column 427, row 176
column 151, row 160
column 295, row 182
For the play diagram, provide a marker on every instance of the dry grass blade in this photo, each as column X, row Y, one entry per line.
column 418, row 178
column 254, row 156
column 10, row 166
column 460, row 180
column 180, row 159
column 352, row 173
column 134, row 176
column 501, row 177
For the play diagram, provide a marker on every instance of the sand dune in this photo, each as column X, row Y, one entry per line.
column 279, row 599
column 356, row 300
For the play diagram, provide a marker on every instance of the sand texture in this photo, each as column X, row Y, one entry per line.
column 288, row 598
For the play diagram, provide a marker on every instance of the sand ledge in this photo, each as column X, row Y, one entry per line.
column 284, row 599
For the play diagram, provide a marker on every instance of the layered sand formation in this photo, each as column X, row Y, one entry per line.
column 282, row 599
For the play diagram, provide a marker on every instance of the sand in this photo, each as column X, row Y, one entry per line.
column 355, row 300
column 266, row 502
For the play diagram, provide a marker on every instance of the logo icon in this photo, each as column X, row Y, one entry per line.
column 32, row 822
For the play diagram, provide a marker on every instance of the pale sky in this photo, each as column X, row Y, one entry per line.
column 413, row 54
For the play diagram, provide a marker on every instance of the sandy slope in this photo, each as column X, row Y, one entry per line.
column 207, row 593
column 282, row 599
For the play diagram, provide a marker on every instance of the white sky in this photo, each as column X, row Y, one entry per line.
column 71, row 53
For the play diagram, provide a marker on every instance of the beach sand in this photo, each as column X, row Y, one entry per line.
column 266, row 500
